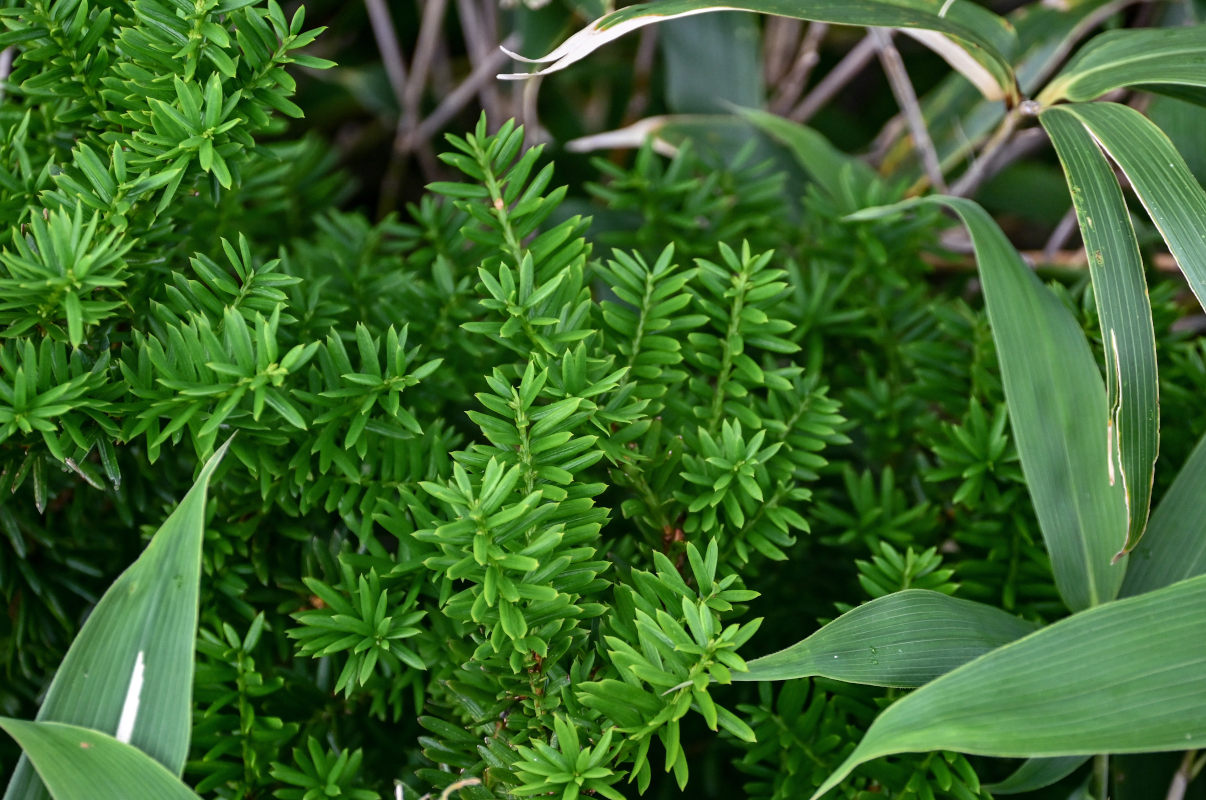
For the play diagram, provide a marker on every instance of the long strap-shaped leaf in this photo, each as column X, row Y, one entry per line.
column 1124, row 677
column 1144, row 57
column 1125, row 313
column 1037, row 773
column 904, row 639
column 1175, row 545
column 84, row 764
column 1057, row 405
column 1168, row 190
column 847, row 179
column 129, row 672
column 984, row 39
column 959, row 118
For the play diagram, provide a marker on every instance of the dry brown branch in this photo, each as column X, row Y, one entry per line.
column 788, row 92
column 835, row 80
column 642, row 70
column 1062, row 233
column 779, row 42
column 906, row 98
column 475, row 26
column 1064, row 259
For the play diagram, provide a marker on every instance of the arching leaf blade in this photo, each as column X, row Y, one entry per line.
column 905, row 639
column 844, row 177
column 959, row 118
column 1171, row 194
column 1172, row 56
column 83, row 764
column 1124, row 677
column 1037, row 773
column 986, row 38
column 130, row 668
column 1175, row 545
column 1056, row 403
column 1124, row 311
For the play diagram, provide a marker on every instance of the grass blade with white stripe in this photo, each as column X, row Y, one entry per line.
column 1168, row 190
column 1056, row 403
column 1125, row 313
column 1124, row 677
column 130, row 669
column 904, row 639
column 84, row 764
column 1146, row 57
column 972, row 39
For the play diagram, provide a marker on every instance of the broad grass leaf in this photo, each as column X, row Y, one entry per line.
column 983, row 40
column 1037, row 773
column 959, row 118
column 1124, row 677
column 904, row 639
column 1125, row 313
column 847, row 179
column 1168, row 190
column 712, row 61
column 1057, row 411
column 129, row 672
column 84, row 764
column 1175, row 545
column 1151, row 58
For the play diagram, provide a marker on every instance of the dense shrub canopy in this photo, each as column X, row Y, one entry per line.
column 520, row 476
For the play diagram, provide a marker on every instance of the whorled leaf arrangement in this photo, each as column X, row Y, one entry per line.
column 1091, row 491
column 437, row 418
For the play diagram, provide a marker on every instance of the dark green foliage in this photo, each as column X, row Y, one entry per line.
column 504, row 508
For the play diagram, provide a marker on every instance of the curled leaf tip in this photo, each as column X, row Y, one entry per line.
column 518, row 57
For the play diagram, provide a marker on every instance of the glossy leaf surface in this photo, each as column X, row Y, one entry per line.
column 904, row 639
column 984, row 39
column 1168, row 190
column 83, row 764
column 1125, row 677
column 1150, row 57
column 1125, row 313
column 1057, row 410
column 1175, row 546
column 129, row 672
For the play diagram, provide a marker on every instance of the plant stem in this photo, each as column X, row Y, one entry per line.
column 906, row 98
column 836, row 79
column 1182, row 777
column 1101, row 776
column 979, row 170
column 387, row 43
column 794, row 81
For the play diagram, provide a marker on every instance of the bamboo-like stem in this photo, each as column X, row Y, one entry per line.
column 459, row 97
column 479, row 46
column 1059, row 237
column 792, row 84
column 970, row 180
column 1101, row 776
column 1182, row 777
column 387, row 44
column 779, row 40
column 835, row 80
column 642, row 70
column 906, row 98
